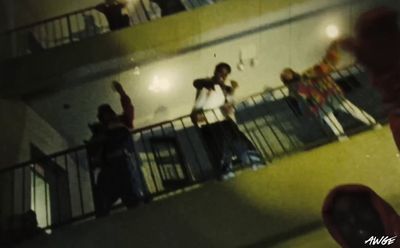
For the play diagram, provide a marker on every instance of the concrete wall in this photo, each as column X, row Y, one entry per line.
column 22, row 126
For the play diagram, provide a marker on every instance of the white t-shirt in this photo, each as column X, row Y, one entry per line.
column 214, row 99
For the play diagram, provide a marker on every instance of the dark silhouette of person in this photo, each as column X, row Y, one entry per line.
column 120, row 173
column 113, row 10
column 169, row 7
column 21, row 227
column 354, row 215
column 376, row 46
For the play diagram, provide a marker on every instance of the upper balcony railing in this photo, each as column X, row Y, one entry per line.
column 174, row 155
column 86, row 23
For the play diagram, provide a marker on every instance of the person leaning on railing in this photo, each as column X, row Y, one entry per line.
column 169, row 7
column 114, row 11
column 321, row 93
column 376, row 45
column 221, row 135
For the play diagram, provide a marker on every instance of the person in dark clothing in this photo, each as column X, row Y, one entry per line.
column 120, row 173
column 113, row 10
column 356, row 217
column 376, row 45
column 20, row 227
column 222, row 136
column 169, row 7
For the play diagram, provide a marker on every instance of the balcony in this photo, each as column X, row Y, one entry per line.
column 278, row 206
column 179, row 175
column 88, row 55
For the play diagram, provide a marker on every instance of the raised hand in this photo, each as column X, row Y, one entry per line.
column 118, row 87
column 234, row 84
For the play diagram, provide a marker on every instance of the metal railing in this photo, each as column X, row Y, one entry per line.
column 77, row 26
column 173, row 154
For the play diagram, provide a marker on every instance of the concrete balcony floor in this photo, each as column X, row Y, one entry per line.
column 278, row 206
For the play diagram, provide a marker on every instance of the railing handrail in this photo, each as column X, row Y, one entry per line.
column 80, row 147
column 5, row 32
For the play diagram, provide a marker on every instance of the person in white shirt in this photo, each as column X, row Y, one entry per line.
column 220, row 132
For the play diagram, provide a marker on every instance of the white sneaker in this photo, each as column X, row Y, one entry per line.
column 224, row 177
column 377, row 126
column 343, row 138
column 257, row 166
column 231, row 174
column 228, row 175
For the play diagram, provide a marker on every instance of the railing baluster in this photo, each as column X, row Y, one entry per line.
column 191, row 4
column 78, row 171
column 71, row 39
column 261, row 146
column 62, row 31
column 170, row 153
column 34, row 186
column 183, row 159
column 13, row 198
column 277, row 121
column 154, row 12
column 57, row 192
column 149, row 161
column 53, row 23
column 254, row 120
column 68, row 181
column 145, row 10
column 23, row 190
column 272, row 128
column 193, row 149
column 161, row 169
column 46, row 202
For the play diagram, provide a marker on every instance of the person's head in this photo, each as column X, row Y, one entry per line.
column 377, row 23
column 356, row 218
column 354, row 213
column 106, row 114
column 289, row 76
column 376, row 41
column 221, row 72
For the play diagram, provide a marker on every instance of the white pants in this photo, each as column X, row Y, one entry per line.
column 345, row 106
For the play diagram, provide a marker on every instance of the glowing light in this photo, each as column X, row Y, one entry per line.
column 332, row 31
column 159, row 85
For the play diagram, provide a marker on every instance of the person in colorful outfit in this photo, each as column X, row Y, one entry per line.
column 120, row 173
column 322, row 95
column 376, row 45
